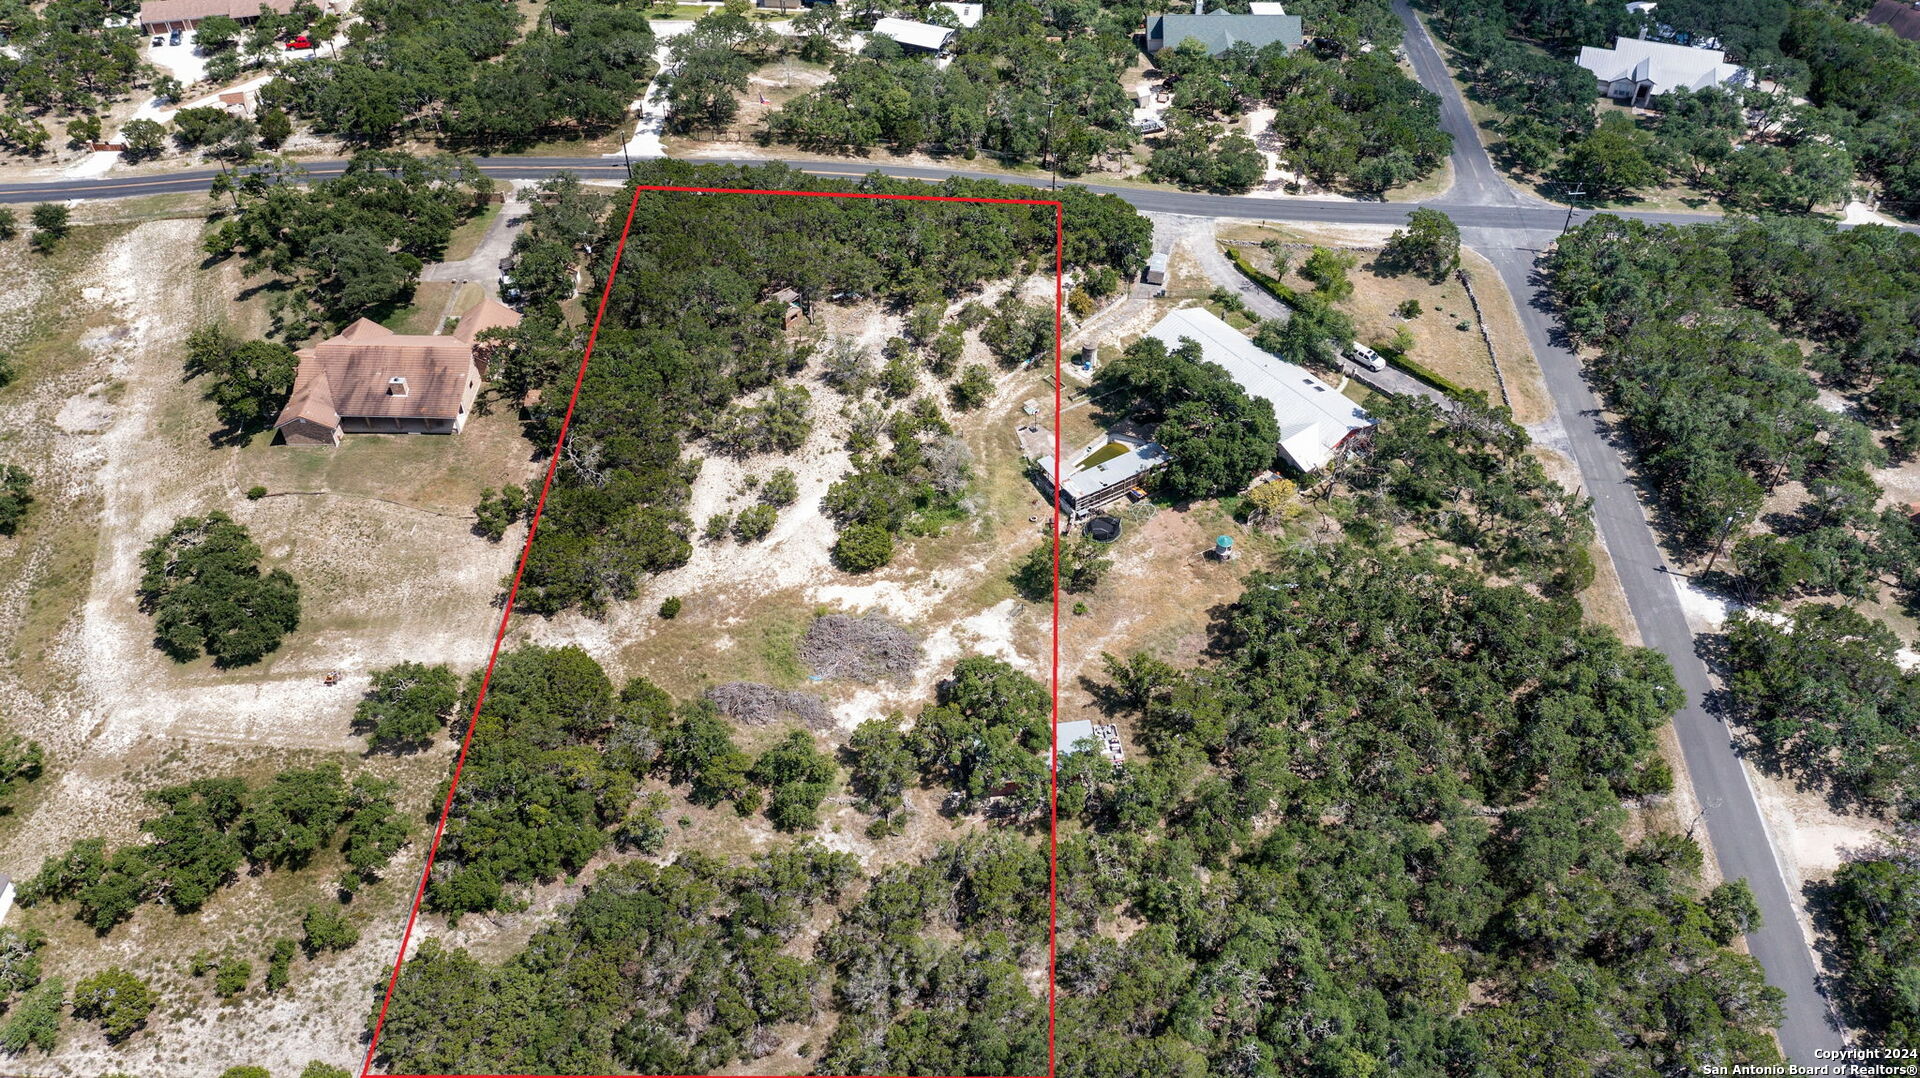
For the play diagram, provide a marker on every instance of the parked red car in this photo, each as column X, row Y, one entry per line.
column 301, row 42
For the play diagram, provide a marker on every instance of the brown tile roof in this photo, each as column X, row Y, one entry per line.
column 312, row 397
column 485, row 315
column 1898, row 16
column 352, row 373
column 163, row 11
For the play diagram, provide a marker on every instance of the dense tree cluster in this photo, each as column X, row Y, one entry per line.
column 1385, row 826
column 205, row 830
column 1027, row 84
column 1870, row 913
column 1696, row 331
column 554, row 771
column 690, row 329
column 202, row 583
column 465, row 73
column 1868, row 81
column 684, row 969
column 60, row 56
column 1346, row 118
column 350, row 246
column 1465, row 474
column 1824, row 693
column 1218, row 436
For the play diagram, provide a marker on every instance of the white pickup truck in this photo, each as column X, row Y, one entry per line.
column 1366, row 357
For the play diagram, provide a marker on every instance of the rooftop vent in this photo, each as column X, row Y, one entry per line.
column 397, row 386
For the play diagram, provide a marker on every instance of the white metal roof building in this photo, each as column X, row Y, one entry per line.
column 916, row 35
column 1315, row 419
column 968, row 14
column 1636, row 71
column 1087, row 489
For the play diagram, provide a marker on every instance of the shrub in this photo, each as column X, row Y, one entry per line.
column 280, row 964
column 231, row 978
column 407, row 706
column 16, row 494
column 781, row 488
column 754, row 523
column 716, row 528
column 255, row 493
column 973, row 388
column 670, row 607
column 327, row 930
column 1409, row 309
column 863, row 548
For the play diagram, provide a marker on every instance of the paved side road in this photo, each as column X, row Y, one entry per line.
column 1734, row 824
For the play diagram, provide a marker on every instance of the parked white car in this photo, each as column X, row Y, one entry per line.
column 1366, row 357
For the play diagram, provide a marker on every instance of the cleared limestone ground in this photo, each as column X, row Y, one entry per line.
column 119, row 448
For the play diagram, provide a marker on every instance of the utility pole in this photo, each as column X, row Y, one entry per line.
column 1576, row 192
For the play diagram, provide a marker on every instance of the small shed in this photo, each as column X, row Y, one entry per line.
column 1156, row 272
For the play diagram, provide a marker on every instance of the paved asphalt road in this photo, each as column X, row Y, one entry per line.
column 1510, row 228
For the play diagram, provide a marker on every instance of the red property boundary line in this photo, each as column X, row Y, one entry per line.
column 533, row 528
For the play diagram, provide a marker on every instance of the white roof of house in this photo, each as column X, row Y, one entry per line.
column 968, row 14
column 1136, row 461
column 1314, row 417
column 1266, row 7
column 921, row 35
column 1664, row 65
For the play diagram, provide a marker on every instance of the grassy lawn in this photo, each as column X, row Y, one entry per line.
column 433, row 303
column 467, row 237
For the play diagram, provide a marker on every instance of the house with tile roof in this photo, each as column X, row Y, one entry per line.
column 370, row 380
column 162, row 16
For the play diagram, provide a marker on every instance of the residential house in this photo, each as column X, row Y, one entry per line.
column 1900, row 16
column 165, row 16
column 369, row 379
column 1222, row 30
column 1634, row 72
column 968, row 15
column 1316, row 421
column 1103, row 472
column 916, row 36
column 1080, row 735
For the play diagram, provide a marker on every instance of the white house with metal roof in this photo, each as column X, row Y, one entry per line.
column 924, row 36
column 1634, row 72
column 1316, row 421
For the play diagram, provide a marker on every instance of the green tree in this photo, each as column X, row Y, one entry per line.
column 407, row 706
column 144, row 139
column 16, row 494
column 799, row 776
column 1327, row 269
column 1429, row 245
column 34, row 1022
column 280, row 964
column 116, row 999
column 202, row 583
column 250, row 379
column 973, row 389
